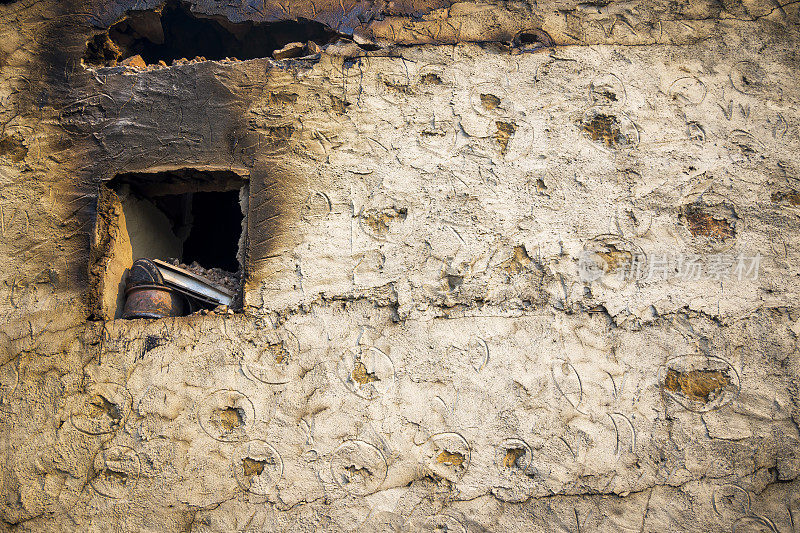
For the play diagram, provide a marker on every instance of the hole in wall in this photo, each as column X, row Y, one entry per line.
column 173, row 32
column 192, row 219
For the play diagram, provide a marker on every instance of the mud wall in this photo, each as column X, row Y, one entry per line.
column 495, row 281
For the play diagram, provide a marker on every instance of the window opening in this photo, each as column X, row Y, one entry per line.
column 171, row 243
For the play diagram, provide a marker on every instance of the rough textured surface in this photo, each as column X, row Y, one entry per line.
column 419, row 347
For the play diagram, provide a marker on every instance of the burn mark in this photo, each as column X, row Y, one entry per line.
column 697, row 385
column 174, row 32
column 268, row 215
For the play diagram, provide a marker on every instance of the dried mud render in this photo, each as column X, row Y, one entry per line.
column 419, row 349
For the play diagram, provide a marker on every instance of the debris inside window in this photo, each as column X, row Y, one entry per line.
column 169, row 243
column 156, row 289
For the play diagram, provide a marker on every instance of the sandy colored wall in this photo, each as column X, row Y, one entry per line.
column 424, row 343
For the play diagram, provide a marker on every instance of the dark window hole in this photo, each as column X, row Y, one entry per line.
column 174, row 33
column 193, row 219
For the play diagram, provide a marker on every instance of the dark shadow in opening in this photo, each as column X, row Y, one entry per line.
column 176, row 33
column 214, row 236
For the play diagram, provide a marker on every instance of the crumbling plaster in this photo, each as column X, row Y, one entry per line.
column 414, row 305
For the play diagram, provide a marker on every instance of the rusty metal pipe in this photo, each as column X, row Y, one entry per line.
column 153, row 301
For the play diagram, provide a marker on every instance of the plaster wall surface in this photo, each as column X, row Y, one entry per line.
column 423, row 344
